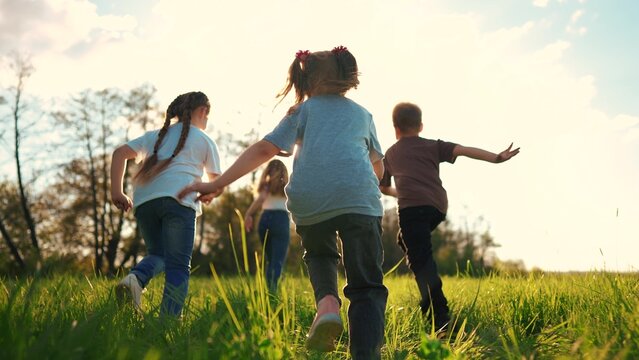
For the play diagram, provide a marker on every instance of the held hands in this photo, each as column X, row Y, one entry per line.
column 206, row 199
column 207, row 190
column 121, row 201
column 506, row 154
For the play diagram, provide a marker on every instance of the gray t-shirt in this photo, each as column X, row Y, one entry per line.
column 332, row 172
column 414, row 163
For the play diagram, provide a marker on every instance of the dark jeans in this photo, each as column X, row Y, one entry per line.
column 275, row 229
column 361, row 238
column 168, row 229
column 416, row 225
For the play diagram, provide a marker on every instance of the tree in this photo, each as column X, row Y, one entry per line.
column 9, row 205
column 140, row 110
column 89, row 116
column 23, row 69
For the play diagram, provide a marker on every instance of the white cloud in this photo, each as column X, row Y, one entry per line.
column 572, row 27
column 576, row 15
column 540, row 3
column 56, row 25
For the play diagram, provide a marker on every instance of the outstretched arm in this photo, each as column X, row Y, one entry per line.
column 480, row 154
column 118, row 164
column 254, row 156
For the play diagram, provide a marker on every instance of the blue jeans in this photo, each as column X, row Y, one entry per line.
column 168, row 229
column 274, row 228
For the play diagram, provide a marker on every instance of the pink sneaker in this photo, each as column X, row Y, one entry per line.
column 324, row 331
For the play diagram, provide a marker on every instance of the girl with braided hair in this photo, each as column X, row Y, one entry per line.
column 174, row 156
column 333, row 189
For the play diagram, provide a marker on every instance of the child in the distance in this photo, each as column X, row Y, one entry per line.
column 275, row 225
column 413, row 162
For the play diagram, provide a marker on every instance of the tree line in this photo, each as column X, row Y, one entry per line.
column 55, row 209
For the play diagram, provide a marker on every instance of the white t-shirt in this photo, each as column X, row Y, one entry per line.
column 198, row 154
column 274, row 202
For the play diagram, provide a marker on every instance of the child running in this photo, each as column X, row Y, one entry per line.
column 174, row 156
column 422, row 201
column 334, row 189
column 274, row 226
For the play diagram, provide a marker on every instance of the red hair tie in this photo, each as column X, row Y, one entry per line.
column 339, row 49
column 302, row 55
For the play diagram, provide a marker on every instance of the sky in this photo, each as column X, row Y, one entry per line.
column 556, row 77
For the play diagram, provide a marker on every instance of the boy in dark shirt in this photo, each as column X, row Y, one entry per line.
column 422, row 201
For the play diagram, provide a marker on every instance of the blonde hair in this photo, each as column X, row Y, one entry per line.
column 274, row 178
column 326, row 72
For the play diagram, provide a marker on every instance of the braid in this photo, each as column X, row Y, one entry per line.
column 171, row 112
column 186, row 126
column 182, row 107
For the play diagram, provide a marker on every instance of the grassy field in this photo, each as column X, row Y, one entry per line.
column 587, row 316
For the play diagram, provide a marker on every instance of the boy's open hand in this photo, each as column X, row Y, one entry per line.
column 507, row 154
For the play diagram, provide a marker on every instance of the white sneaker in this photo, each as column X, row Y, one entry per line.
column 129, row 290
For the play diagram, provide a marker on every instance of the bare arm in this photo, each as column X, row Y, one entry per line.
column 118, row 163
column 255, row 206
column 378, row 164
column 480, row 154
column 254, row 156
column 388, row 190
column 378, row 168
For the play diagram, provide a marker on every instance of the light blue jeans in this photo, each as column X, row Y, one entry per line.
column 168, row 229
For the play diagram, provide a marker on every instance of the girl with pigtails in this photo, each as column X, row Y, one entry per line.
column 174, row 156
column 333, row 189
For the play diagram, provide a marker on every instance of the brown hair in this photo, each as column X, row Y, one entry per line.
column 182, row 107
column 273, row 178
column 407, row 117
column 326, row 72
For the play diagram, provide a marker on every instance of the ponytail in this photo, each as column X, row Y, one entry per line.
column 297, row 77
column 328, row 72
column 347, row 72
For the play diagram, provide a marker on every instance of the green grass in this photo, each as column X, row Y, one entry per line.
column 587, row 316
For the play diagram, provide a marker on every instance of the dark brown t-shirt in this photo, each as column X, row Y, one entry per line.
column 414, row 163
